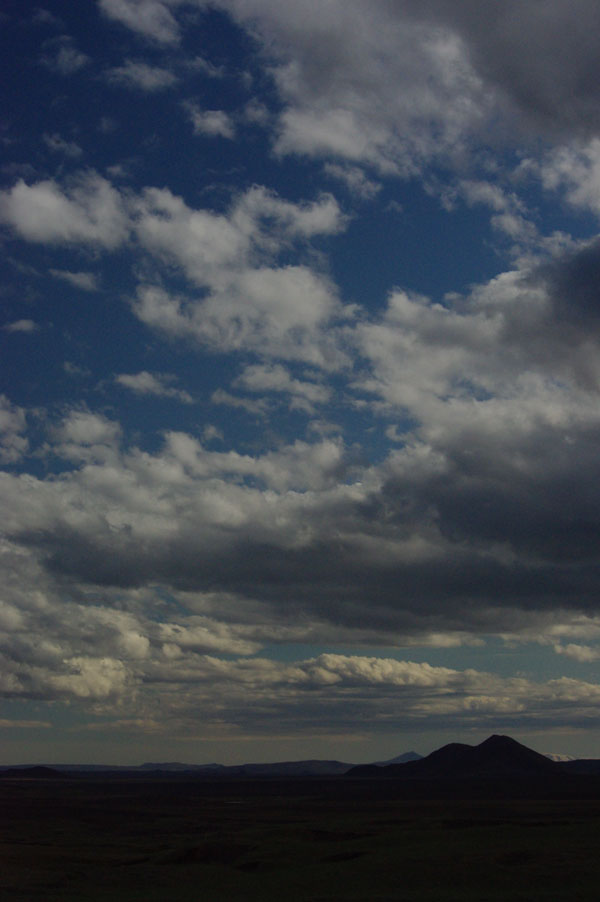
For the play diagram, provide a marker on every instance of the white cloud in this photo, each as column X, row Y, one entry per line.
column 88, row 211
column 86, row 436
column 573, row 169
column 73, row 369
column 367, row 85
column 212, row 433
column 260, row 207
column 509, row 212
column 150, row 18
column 267, row 525
column 256, row 113
column 275, row 378
column 91, row 678
column 87, row 281
column 582, row 653
column 45, row 17
column 355, row 180
column 13, row 444
column 208, row 68
column 397, row 84
column 59, row 145
column 247, row 303
column 141, row 76
column 203, row 635
column 277, row 312
column 257, row 408
column 65, row 58
column 158, row 384
column 85, row 428
column 212, row 123
column 503, row 344
column 21, row 325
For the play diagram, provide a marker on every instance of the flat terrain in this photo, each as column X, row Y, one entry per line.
column 86, row 840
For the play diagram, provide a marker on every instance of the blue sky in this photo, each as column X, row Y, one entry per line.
column 299, row 405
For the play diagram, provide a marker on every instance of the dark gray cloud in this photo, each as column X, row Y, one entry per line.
column 542, row 56
column 574, row 285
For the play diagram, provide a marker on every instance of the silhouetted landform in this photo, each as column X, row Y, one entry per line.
column 38, row 772
column 310, row 768
column 292, row 769
column 584, row 766
column 498, row 756
column 400, row 759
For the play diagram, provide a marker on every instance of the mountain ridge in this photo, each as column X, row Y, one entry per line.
column 497, row 756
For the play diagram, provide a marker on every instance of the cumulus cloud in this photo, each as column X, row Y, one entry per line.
column 158, row 384
column 21, row 325
column 488, row 497
column 85, row 436
column 278, row 312
column 524, row 335
column 207, row 245
column 256, row 408
column 143, row 575
column 398, row 84
column 13, row 444
column 141, row 76
column 497, row 392
column 552, row 83
column 87, row 281
column 246, row 300
column 305, row 395
column 343, row 691
column 63, row 57
column 88, row 211
column 573, row 169
column 305, row 524
column 376, row 86
column 207, row 68
column 59, row 145
column 395, row 84
column 150, row 18
column 355, row 180
column 371, row 554
column 212, row 123
column 582, row 653
column 90, row 678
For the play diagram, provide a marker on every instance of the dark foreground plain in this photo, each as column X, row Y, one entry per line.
column 156, row 839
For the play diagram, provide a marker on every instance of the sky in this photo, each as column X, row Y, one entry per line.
column 300, row 370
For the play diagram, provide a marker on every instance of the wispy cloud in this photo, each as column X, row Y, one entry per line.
column 158, row 384
column 140, row 76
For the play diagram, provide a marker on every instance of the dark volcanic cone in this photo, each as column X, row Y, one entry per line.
column 498, row 756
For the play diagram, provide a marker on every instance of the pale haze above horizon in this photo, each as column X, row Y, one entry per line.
column 300, row 378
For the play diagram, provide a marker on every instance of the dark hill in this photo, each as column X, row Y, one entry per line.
column 496, row 757
column 400, row 759
column 38, row 772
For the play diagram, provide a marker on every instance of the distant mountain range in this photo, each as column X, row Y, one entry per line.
column 400, row 759
column 310, row 768
column 498, row 757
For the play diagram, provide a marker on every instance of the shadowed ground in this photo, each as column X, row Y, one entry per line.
column 87, row 840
